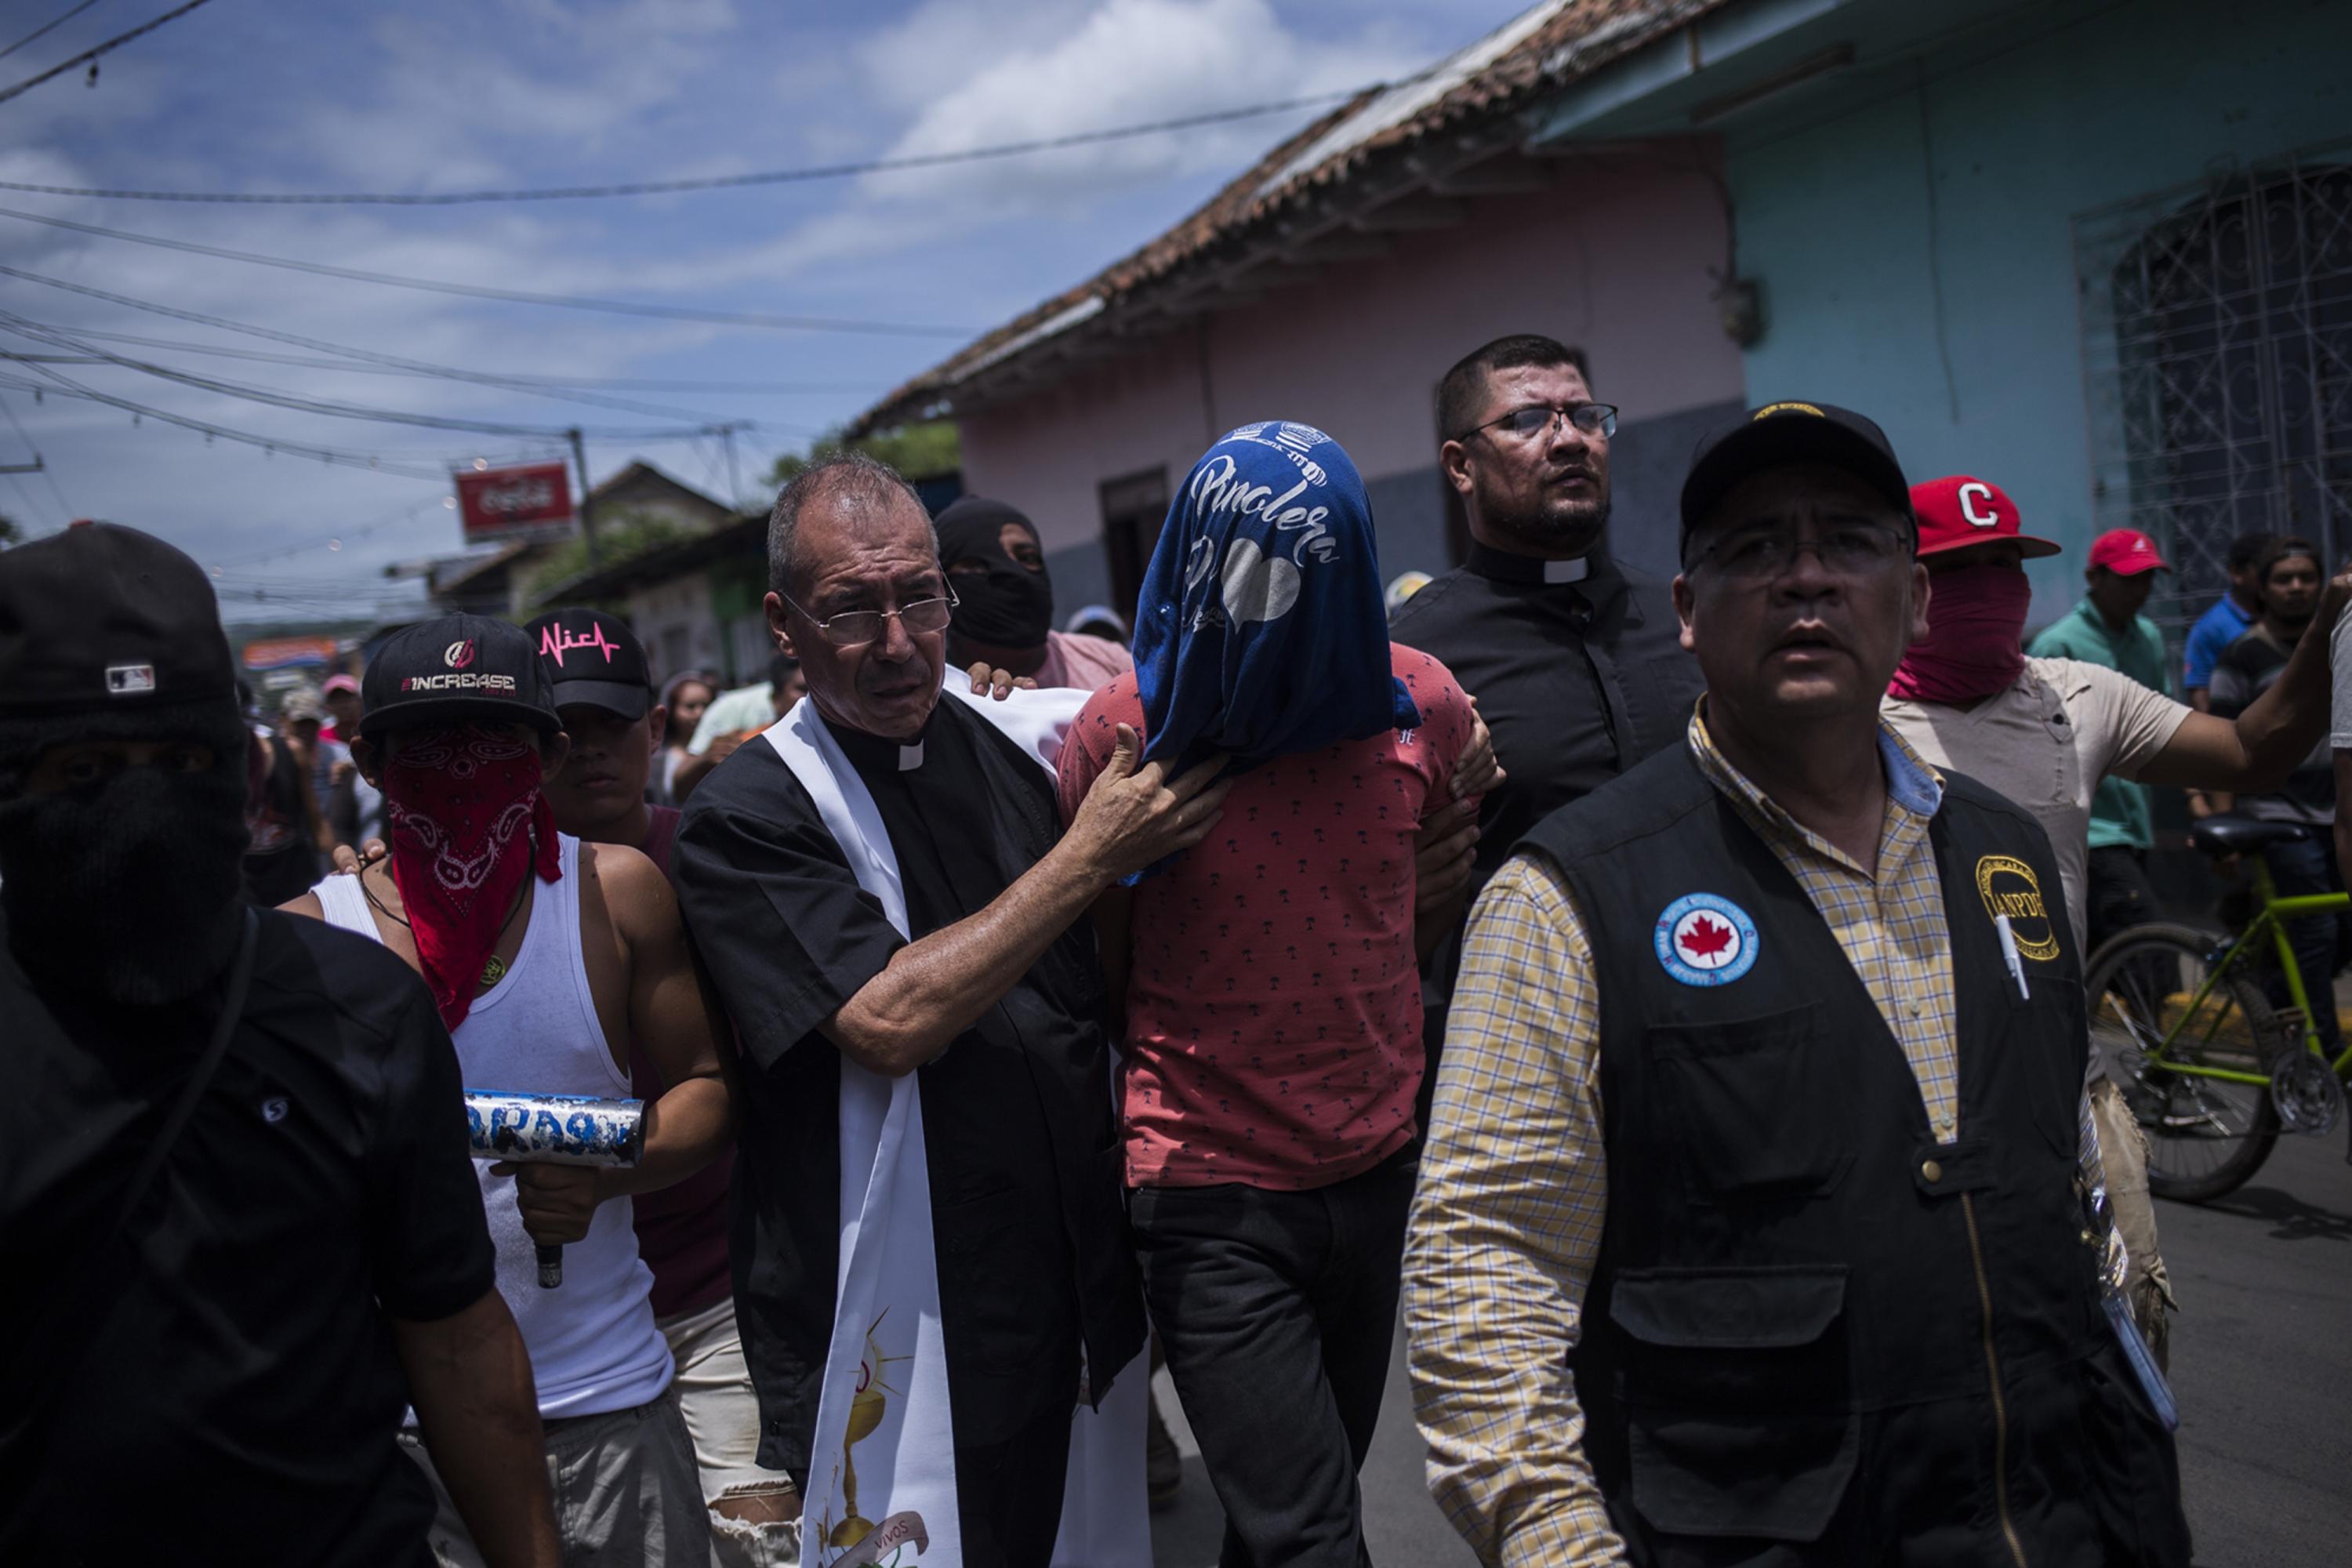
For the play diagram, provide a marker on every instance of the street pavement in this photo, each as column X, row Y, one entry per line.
column 2262, row 1362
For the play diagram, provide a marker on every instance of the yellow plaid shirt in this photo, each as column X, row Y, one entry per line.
column 1507, row 1221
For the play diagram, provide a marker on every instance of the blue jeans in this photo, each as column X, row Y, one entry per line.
column 2321, row 942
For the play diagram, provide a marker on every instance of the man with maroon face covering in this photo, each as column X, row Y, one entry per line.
column 546, row 956
column 2046, row 731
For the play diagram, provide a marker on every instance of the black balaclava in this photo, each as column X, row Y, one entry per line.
column 1010, row 607
column 130, row 889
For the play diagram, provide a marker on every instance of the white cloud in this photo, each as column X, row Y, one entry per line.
column 440, row 95
column 1125, row 62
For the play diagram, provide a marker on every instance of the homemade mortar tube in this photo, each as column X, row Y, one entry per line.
column 553, row 1130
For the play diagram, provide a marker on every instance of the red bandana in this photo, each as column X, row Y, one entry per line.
column 457, row 802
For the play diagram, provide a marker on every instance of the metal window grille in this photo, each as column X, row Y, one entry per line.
column 2218, row 356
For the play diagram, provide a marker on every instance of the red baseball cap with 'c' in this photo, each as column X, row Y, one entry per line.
column 1958, row 511
column 2127, row 553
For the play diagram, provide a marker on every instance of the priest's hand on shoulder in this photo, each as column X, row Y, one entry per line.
column 1136, row 814
column 999, row 684
column 556, row 1202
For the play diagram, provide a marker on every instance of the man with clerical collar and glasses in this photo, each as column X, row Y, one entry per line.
column 237, row 1221
column 1570, row 656
column 878, row 888
column 1832, row 1282
column 547, row 956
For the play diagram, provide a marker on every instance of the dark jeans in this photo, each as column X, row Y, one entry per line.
column 2118, row 893
column 2320, row 942
column 1276, row 1309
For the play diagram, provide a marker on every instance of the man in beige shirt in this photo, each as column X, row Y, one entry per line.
column 1816, row 1287
column 2045, row 732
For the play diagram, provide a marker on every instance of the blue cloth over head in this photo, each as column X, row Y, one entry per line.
column 1260, row 632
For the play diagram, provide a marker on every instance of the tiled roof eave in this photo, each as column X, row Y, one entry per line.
column 1248, row 224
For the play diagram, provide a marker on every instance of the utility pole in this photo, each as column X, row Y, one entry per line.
column 587, row 508
column 734, row 484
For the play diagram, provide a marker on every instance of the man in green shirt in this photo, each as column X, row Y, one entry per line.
column 2107, row 629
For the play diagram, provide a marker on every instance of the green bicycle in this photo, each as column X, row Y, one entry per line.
column 2212, row 1070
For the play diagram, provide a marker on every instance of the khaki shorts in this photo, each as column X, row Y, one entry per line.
column 722, row 1417
column 626, row 1491
column 2123, row 1155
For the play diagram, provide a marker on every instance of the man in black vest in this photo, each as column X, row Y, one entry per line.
column 1752, row 1224
column 1570, row 655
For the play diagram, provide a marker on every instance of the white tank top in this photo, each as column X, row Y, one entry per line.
column 594, row 1346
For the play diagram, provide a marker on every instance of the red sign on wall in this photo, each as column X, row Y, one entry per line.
column 500, row 505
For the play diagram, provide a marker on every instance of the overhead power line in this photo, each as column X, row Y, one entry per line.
column 87, row 55
column 65, row 386
column 395, row 363
column 511, row 296
column 712, row 182
column 531, row 382
column 54, row 22
column 303, row 404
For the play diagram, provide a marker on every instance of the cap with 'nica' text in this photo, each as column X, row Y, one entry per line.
column 454, row 670
column 104, row 617
column 2127, row 553
column 593, row 660
column 1781, row 435
column 1958, row 511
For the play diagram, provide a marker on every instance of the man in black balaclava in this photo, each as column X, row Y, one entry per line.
column 234, row 1185
column 1005, row 602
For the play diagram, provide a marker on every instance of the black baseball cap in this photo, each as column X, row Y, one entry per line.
column 452, row 669
column 1779, row 433
column 593, row 659
column 107, row 619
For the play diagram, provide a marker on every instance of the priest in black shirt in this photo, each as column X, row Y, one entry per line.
column 1575, row 662
column 238, row 1227
column 878, row 880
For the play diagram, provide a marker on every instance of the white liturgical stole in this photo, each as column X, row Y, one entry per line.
column 882, row 1462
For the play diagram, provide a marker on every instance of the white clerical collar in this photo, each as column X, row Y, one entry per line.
column 1508, row 567
column 911, row 757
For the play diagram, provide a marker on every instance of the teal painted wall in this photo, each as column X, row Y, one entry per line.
column 1833, row 214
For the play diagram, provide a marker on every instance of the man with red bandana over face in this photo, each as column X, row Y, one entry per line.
column 2046, row 731
column 546, row 956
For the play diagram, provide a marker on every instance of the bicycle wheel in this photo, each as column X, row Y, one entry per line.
column 2205, row 1135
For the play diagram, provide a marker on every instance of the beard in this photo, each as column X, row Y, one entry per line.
column 130, row 890
column 1572, row 528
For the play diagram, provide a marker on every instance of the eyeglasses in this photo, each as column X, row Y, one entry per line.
column 855, row 628
column 1845, row 550
column 1537, row 419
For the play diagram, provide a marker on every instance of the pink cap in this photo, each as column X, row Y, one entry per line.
column 2126, row 553
column 340, row 683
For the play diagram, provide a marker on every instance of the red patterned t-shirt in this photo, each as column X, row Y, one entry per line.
column 1272, row 1031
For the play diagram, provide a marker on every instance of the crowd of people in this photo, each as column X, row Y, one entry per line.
column 1667, row 997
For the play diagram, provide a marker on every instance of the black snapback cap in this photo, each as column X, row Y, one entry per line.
column 593, row 660
column 108, row 619
column 452, row 669
column 1779, row 433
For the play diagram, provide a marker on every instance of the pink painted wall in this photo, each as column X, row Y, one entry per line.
column 1612, row 259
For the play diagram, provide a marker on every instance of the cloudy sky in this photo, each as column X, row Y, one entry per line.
column 440, row 95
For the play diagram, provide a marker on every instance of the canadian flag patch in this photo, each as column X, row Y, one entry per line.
column 1703, row 939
